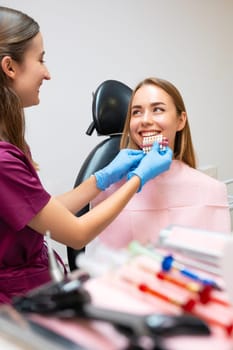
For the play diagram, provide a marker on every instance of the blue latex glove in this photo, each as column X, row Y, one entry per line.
column 153, row 164
column 125, row 161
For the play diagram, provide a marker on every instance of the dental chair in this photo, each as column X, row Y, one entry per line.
column 109, row 109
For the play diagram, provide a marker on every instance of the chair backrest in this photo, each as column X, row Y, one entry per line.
column 109, row 109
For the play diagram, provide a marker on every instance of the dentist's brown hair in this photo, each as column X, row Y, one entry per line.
column 16, row 32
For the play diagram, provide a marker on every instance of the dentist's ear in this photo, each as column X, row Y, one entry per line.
column 8, row 66
column 181, row 121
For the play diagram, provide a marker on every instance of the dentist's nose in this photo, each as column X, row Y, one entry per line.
column 47, row 75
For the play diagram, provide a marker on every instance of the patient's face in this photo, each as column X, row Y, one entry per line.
column 153, row 112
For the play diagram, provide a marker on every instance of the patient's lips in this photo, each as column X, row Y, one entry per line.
column 147, row 142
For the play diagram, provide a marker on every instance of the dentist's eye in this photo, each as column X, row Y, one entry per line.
column 41, row 58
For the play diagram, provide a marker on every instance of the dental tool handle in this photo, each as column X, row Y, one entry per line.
column 126, row 322
column 153, row 325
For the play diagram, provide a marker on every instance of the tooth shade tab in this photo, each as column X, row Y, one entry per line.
column 147, row 143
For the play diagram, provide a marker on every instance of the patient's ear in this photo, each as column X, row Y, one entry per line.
column 181, row 121
column 8, row 66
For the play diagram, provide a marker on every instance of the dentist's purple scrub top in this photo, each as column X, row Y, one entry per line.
column 23, row 254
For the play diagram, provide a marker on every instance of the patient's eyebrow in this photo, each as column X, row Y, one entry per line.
column 136, row 106
column 151, row 104
column 157, row 103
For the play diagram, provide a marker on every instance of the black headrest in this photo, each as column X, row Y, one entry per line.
column 109, row 108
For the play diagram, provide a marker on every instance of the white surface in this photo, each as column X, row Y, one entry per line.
column 6, row 345
column 210, row 170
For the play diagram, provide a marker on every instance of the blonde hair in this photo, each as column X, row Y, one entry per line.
column 183, row 147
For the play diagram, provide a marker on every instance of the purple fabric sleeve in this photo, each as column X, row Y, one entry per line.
column 22, row 194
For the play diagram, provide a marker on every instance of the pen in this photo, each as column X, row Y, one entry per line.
column 168, row 263
column 188, row 306
column 144, row 288
column 205, row 292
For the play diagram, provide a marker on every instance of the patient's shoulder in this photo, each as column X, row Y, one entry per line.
column 191, row 176
column 205, row 181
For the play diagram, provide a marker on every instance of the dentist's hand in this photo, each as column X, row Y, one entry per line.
column 152, row 164
column 125, row 161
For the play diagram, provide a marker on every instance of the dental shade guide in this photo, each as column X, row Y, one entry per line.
column 147, row 143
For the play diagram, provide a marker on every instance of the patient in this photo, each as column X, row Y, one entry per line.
column 182, row 195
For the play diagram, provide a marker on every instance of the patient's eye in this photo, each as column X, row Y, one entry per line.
column 136, row 112
column 158, row 109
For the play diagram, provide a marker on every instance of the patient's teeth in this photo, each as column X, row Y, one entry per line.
column 147, row 143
